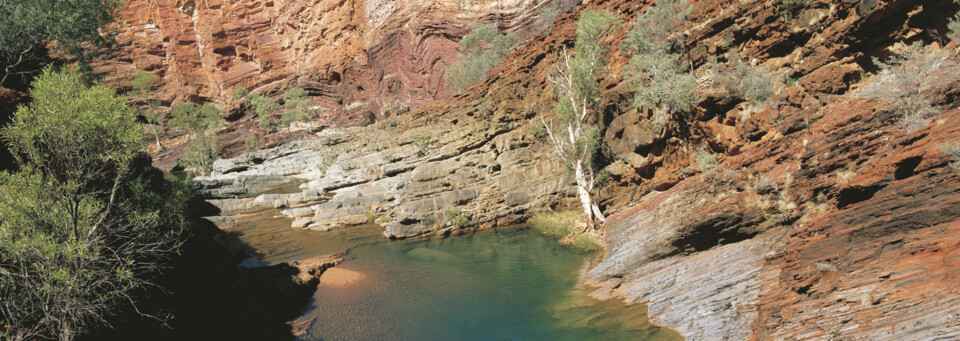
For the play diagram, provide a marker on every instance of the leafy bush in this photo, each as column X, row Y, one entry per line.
column 86, row 222
column 910, row 82
column 553, row 9
column 79, row 28
column 662, row 82
column 740, row 79
column 705, row 160
column 422, row 143
column 295, row 108
column 953, row 151
column 141, row 85
column 263, row 106
column 480, row 50
column 538, row 130
column 240, row 93
column 791, row 7
column 584, row 243
column 657, row 30
column 555, row 224
column 202, row 121
column 954, row 28
column 251, row 144
column 456, row 218
column 717, row 176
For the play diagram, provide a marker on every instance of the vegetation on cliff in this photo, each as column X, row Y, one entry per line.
column 87, row 222
column 480, row 50
column 575, row 134
column 201, row 121
column 34, row 33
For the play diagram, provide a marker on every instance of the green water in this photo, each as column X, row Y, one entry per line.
column 512, row 284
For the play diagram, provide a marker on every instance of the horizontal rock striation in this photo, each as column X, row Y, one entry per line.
column 352, row 56
column 405, row 182
column 835, row 223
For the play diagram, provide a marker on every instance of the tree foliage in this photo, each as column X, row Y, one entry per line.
column 202, row 121
column 480, row 50
column 295, row 108
column 577, row 93
column 141, row 86
column 86, row 222
column 30, row 29
column 661, row 81
column 911, row 81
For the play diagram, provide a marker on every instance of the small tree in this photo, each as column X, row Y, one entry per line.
column 27, row 28
column 86, row 222
column 577, row 94
column 953, row 28
column 142, row 85
column 911, row 82
column 202, row 121
column 297, row 107
column 662, row 83
column 480, row 50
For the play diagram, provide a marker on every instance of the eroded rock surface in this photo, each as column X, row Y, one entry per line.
column 837, row 224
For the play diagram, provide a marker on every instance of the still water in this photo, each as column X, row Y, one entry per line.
column 512, row 284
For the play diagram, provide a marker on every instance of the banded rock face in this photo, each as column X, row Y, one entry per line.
column 353, row 56
column 355, row 176
column 872, row 257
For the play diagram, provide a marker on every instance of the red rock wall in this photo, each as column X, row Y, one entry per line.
column 351, row 55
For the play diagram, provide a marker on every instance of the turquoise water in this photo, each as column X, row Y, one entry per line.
column 504, row 285
column 512, row 284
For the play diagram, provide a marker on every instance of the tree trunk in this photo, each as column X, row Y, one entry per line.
column 156, row 135
column 584, row 194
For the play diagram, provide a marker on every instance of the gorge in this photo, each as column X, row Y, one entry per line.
column 400, row 211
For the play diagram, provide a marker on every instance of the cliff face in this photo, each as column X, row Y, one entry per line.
column 353, row 56
column 837, row 223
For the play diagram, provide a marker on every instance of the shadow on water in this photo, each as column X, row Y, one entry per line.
column 211, row 298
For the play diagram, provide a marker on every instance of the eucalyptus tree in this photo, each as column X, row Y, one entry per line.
column 31, row 29
column 86, row 223
column 577, row 92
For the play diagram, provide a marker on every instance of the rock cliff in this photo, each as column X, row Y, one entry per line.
column 837, row 225
column 352, row 56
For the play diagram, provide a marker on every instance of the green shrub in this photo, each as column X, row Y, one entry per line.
column 240, row 93
column 954, row 28
column 705, row 160
column 953, row 151
column 555, row 224
column 910, row 82
column 537, row 130
column 584, row 243
column 27, row 28
column 263, row 106
column 480, row 50
column 251, row 144
column 717, row 176
column 602, row 177
column 553, row 9
column 655, row 44
column 791, row 7
column 456, row 218
column 202, row 121
column 86, row 222
column 658, row 29
column 751, row 83
column 662, row 83
column 422, row 143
